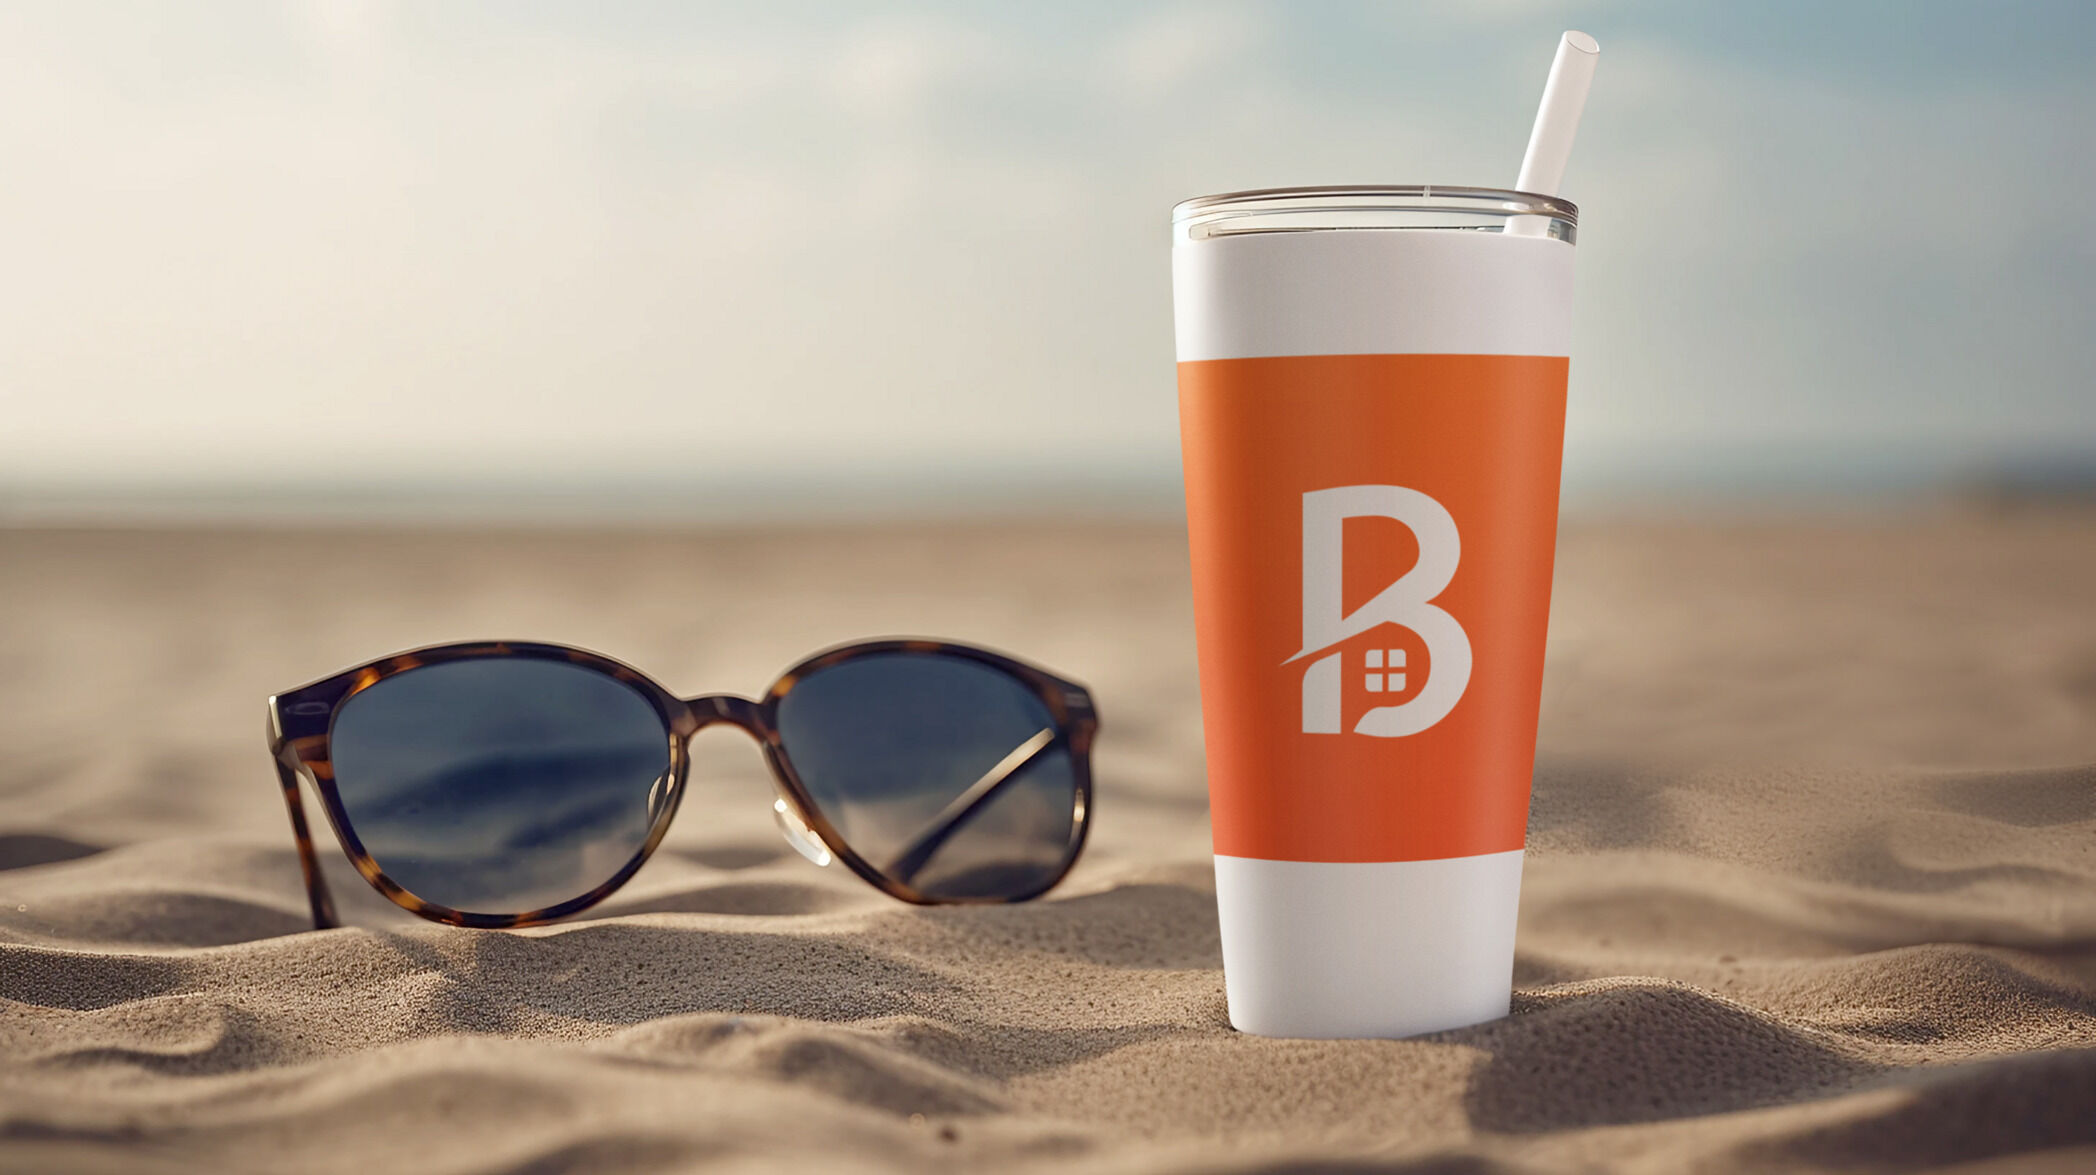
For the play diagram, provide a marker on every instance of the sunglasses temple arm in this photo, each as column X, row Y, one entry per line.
column 917, row 853
column 316, row 885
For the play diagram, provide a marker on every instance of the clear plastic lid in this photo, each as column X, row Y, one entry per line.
column 1393, row 206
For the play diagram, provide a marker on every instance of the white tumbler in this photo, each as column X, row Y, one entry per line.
column 1372, row 400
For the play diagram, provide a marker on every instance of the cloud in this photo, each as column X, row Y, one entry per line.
column 1160, row 51
column 890, row 69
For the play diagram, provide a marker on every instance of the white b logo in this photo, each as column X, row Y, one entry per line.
column 1406, row 603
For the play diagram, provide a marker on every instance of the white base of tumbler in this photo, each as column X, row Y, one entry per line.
column 1367, row 949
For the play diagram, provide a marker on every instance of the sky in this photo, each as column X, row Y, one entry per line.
column 304, row 248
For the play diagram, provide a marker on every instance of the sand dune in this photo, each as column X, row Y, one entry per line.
column 1812, row 882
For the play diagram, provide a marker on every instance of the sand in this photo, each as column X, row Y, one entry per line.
column 1812, row 881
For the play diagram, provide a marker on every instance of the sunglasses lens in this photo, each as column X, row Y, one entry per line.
column 946, row 774
column 500, row 786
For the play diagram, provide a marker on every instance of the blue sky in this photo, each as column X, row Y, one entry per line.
column 339, row 243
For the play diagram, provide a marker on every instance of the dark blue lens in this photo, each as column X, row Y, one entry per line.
column 503, row 785
column 944, row 773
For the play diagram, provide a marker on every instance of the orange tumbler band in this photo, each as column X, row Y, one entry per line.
column 1372, row 539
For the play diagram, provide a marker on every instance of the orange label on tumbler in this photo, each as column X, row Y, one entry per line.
column 1372, row 538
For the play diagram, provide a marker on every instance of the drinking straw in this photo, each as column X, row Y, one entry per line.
column 1557, row 120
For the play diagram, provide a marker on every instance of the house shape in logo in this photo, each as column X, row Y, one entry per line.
column 1406, row 602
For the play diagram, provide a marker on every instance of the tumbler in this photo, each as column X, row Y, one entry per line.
column 1372, row 406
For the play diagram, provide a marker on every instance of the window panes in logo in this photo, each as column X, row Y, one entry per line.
column 1385, row 682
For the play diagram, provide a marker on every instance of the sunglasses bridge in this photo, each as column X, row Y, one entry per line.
column 747, row 716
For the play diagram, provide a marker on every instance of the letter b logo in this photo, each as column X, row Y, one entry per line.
column 1406, row 603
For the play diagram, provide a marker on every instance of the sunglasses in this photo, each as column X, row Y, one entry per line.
column 503, row 784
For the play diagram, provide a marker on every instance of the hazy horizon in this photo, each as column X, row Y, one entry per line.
column 1792, row 481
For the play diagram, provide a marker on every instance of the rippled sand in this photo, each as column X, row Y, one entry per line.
column 1812, row 881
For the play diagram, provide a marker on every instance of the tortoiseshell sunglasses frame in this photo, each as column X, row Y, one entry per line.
column 301, row 720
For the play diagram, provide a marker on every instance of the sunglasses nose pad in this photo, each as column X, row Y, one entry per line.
column 658, row 796
column 798, row 834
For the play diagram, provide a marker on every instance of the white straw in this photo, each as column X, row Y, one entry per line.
column 1557, row 121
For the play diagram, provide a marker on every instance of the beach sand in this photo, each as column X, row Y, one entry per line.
column 1811, row 883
